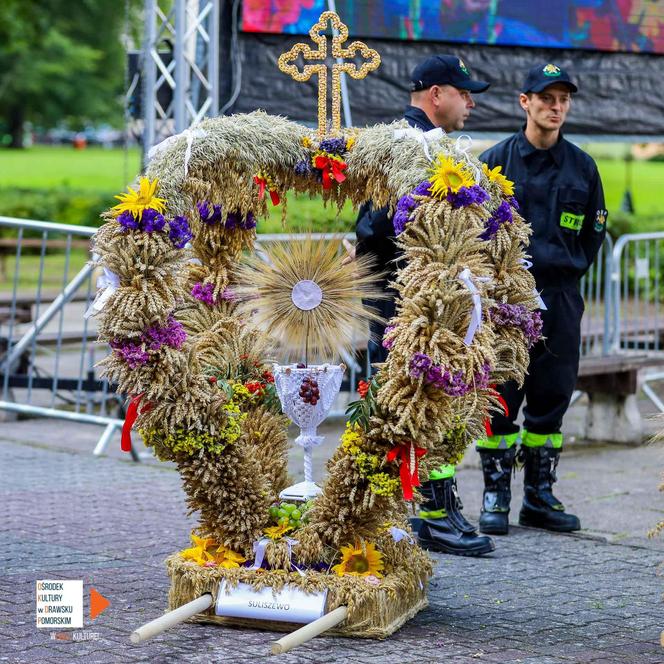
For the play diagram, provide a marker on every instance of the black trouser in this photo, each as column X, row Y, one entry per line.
column 553, row 368
column 387, row 309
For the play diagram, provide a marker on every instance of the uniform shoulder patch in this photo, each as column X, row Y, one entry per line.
column 600, row 220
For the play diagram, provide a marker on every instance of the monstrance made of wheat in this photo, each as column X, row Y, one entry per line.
column 194, row 331
column 310, row 303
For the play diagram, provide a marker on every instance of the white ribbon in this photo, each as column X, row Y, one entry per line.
column 259, row 552
column 422, row 137
column 291, row 543
column 107, row 283
column 466, row 278
column 260, row 547
column 462, row 147
column 398, row 534
column 540, row 302
column 189, row 134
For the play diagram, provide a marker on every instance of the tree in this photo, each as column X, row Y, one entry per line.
column 60, row 61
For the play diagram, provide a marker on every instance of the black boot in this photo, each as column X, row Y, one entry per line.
column 541, row 509
column 497, row 467
column 449, row 532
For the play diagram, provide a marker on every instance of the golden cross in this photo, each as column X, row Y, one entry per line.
column 288, row 66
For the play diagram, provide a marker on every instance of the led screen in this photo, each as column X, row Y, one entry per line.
column 610, row 25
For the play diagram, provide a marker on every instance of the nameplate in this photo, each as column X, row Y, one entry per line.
column 288, row 605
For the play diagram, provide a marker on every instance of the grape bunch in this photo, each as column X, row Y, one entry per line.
column 309, row 391
column 288, row 514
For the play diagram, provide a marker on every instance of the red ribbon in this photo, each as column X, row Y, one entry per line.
column 262, row 184
column 130, row 419
column 409, row 476
column 506, row 410
column 328, row 166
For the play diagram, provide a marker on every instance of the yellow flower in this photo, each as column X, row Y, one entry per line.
column 226, row 558
column 277, row 532
column 507, row 186
column 351, row 438
column 137, row 201
column 199, row 552
column 448, row 176
column 350, row 142
column 356, row 562
column 306, row 142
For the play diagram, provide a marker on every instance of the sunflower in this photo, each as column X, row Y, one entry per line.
column 507, row 186
column 137, row 201
column 357, row 562
column 448, row 176
column 199, row 552
column 226, row 558
column 277, row 532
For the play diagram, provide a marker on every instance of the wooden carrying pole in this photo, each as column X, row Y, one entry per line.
column 308, row 632
column 172, row 618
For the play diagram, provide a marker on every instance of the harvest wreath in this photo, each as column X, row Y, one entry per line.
column 192, row 329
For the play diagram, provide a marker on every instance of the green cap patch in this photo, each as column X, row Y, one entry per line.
column 551, row 70
column 571, row 221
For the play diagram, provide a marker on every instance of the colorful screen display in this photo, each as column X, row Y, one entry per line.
column 609, row 25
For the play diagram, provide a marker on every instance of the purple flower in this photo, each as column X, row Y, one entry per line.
column 303, row 168
column 249, row 221
column 419, row 365
column 132, row 353
column 203, row 210
column 455, row 386
column 502, row 215
column 179, row 233
column 152, row 221
column 204, row 293
column 466, row 196
column 513, row 202
column 210, row 214
column 482, row 377
column 517, row 315
column 333, row 145
column 436, row 377
column 405, row 206
column 172, row 335
column 233, row 220
column 388, row 343
column 128, row 221
column 422, row 189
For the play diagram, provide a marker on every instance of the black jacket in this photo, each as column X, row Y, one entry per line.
column 559, row 192
column 374, row 229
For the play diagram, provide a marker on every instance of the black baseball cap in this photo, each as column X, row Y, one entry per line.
column 544, row 75
column 444, row 70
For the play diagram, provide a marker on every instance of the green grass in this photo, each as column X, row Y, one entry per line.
column 93, row 168
column 647, row 185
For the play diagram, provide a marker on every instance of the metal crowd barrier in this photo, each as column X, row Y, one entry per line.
column 598, row 319
column 48, row 350
column 637, row 274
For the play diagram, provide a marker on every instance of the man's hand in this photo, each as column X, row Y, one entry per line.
column 350, row 250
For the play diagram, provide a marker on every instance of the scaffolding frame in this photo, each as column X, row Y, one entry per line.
column 181, row 55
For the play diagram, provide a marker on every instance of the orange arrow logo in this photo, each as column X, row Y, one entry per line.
column 98, row 603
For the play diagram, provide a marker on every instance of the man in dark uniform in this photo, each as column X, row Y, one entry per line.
column 441, row 96
column 559, row 192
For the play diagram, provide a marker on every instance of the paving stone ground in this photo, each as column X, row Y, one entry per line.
column 539, row 598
